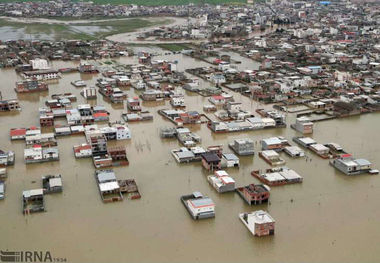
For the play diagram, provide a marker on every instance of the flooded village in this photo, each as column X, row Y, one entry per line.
column 261, row 119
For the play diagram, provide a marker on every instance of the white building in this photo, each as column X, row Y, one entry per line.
column 221, row 181
column 73, row 117
column 268, row 122
column 218, row 78
column 33, row 154
column 199, row 206
column 39, row 64
column 303, row 125
column 178, row 101
column 260, row 223
column 230, row 160
column 294, row 151
column 123, row 132
column 82, row 151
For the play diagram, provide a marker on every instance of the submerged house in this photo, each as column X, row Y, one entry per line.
column 30, row 85
column 260, row 223
column 294, row 151
column 43, row 139
column 272, row 157
column 129, row 187
column 242, row 146
column 351, row 166
column 221, row 181
column 98, row 143
column 22, row 133
column 153, row 95
column 303, row 125
column 116, row 132
column 89, row 93
column 33, row 201
column 43, row 74
column 230, row 160
column 274, row 143
column 7, row 158
column 254, row 194
column 52, row 184
column 9, row 105
column 82, row 151
column 17, row 133
column 46, row 119
column 335, row 149
column 118, row 155
column 2, row 190
column 217, row 100
column 211, row 161
column 109, row 187
column 278, row 176
column 320, row 150
column 85, row 67
column 183, row 155
column 199, row 206
column 186, row 137
column 133, row 104
column 37, row 154
column 3, row 173
column 304, row 141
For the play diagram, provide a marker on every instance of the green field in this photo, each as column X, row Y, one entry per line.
column 174, row 47
column 80, row 31
column 152, row 2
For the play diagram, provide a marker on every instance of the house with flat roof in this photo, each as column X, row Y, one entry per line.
column 254, row 194
column 348, row 165
column 260, row 223
column 109, row 187
column 221, row 181
column 199, row 206
column 211, row 161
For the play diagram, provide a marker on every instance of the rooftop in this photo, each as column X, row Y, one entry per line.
column 201, row 202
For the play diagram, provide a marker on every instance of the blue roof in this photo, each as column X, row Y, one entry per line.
column 202, row 202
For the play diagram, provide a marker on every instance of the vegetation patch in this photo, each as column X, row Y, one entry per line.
column 173, row 47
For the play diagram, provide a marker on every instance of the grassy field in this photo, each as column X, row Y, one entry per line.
column 152, row 2
column 81, row 31
column 174, row 47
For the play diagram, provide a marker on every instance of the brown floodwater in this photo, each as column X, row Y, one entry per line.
column 333, row 217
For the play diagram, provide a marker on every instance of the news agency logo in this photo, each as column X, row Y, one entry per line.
column 28, row 256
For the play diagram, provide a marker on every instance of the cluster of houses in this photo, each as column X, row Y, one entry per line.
column 327, row 60
column 7, row 158
column 96, row 145
column 9, row 105
column 224, row 21
column 317, row 59
column 339, row 158
column 20, row 54
column 259, row 222
column 201, row 207
column 60, row 107
column 34, row 200
column 84, row 9
column 111, row 189
column 40, row 147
